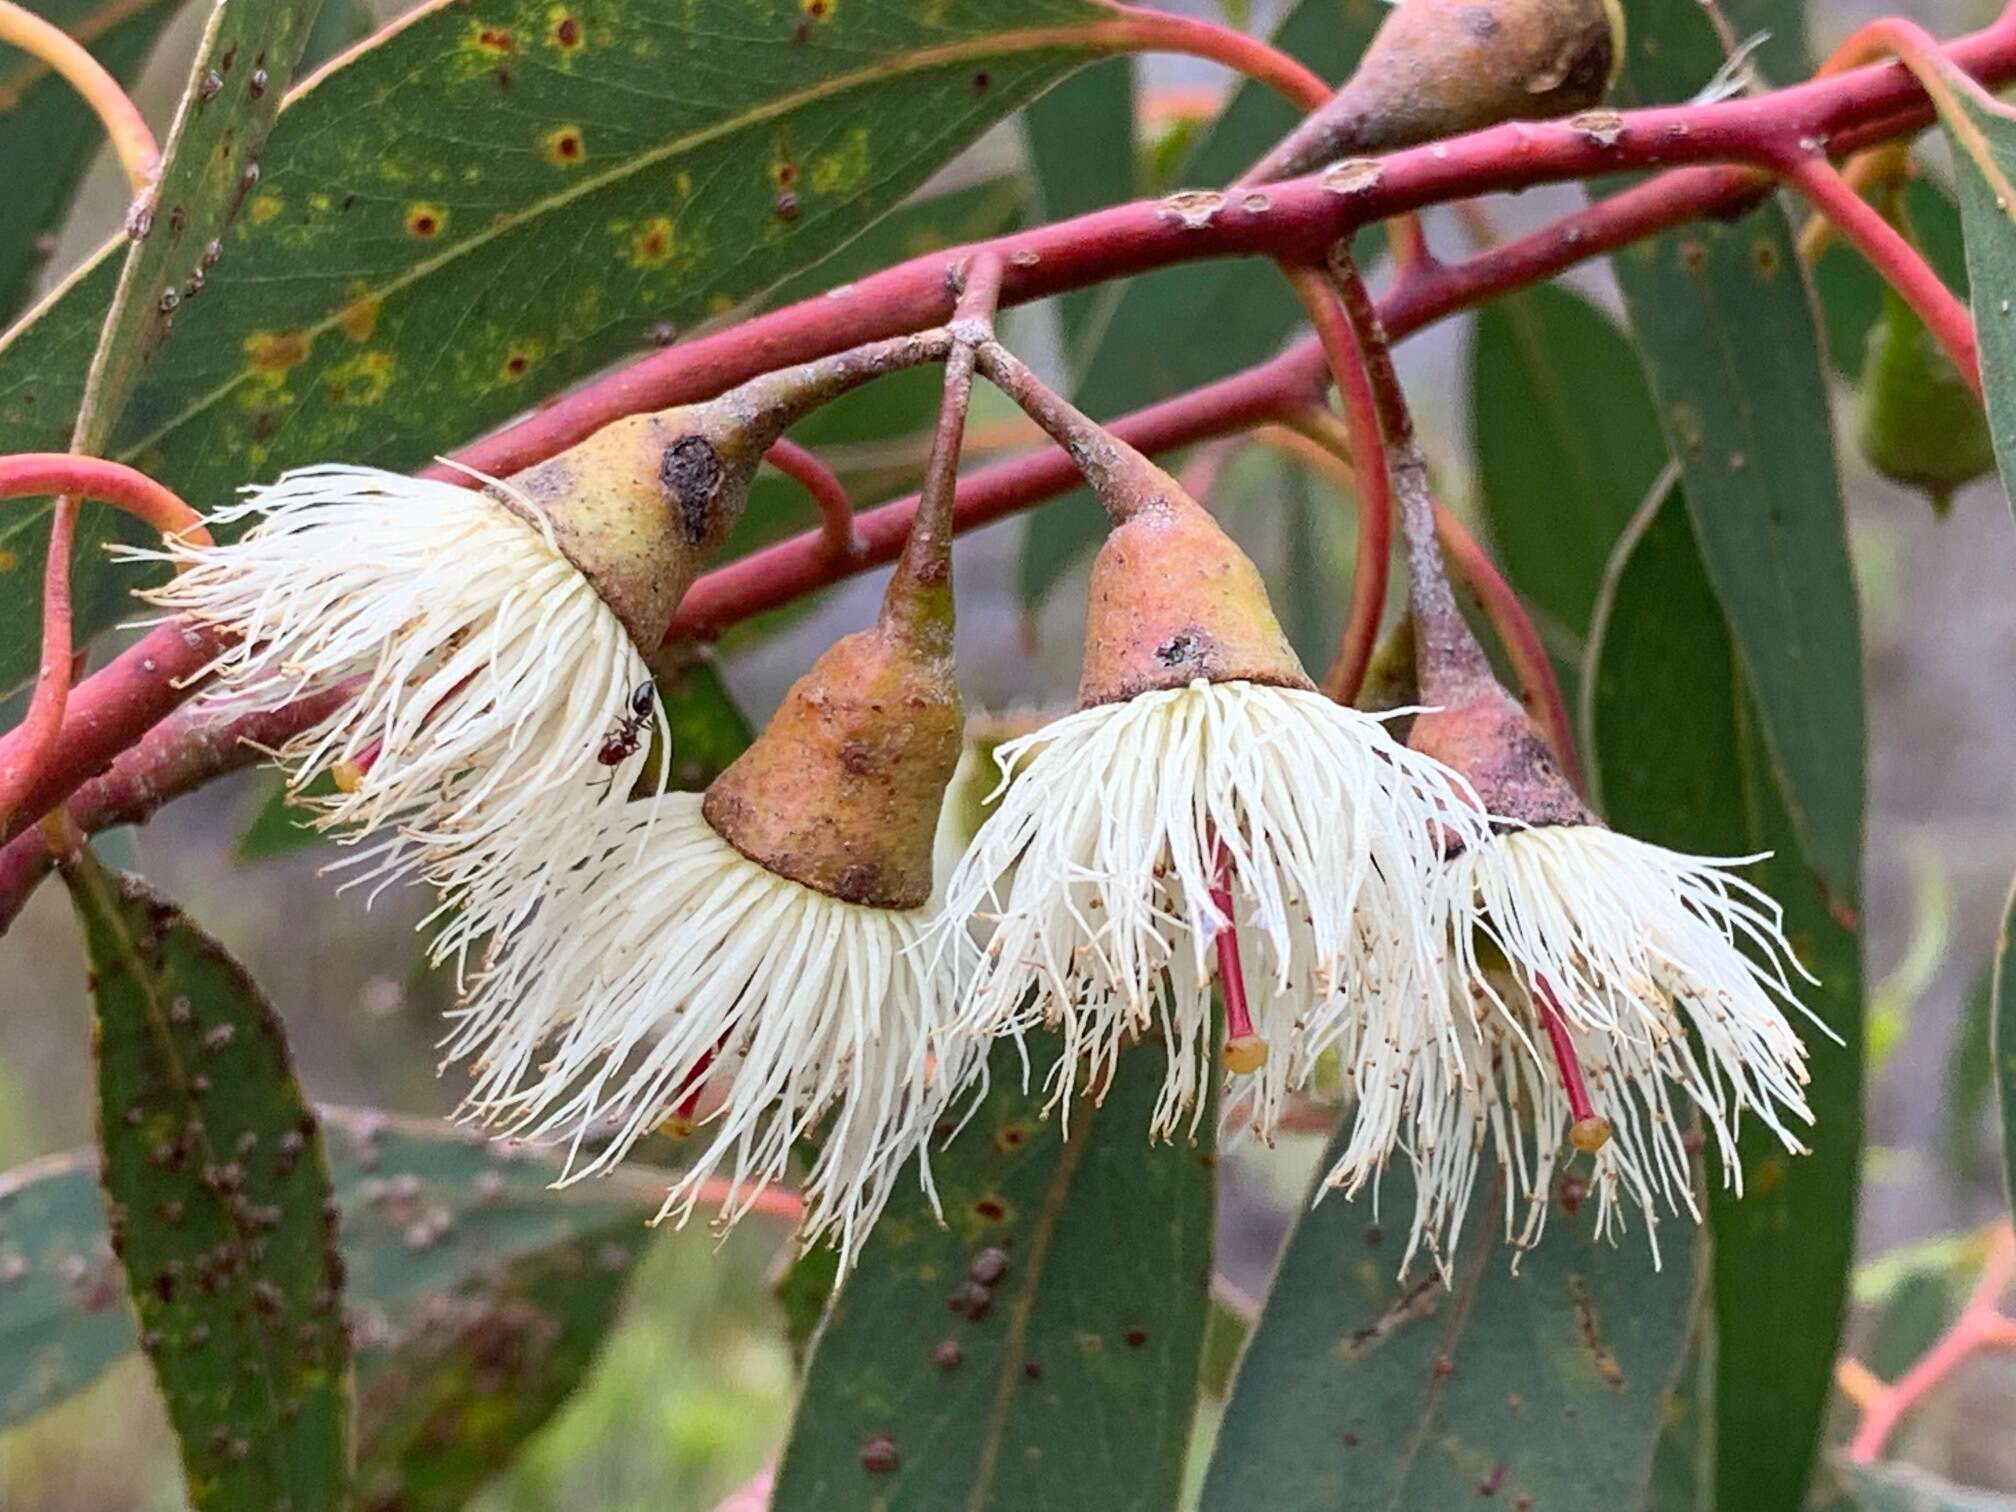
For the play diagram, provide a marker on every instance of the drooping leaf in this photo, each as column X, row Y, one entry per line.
column 429, row 1215
column 2002, row 1047
column 1723, row 319
column 1231, row 313
column 1700, row 782
column 1566, row 440
column 1069, row 1378
column 492, row 201
column 1971, row 1079
column 1081, row 155
column 1683, row 1464
column 44, row 122
column 1544, row 1388
column 209, row 163
column 218, row 1204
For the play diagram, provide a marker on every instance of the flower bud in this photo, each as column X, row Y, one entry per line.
column 1437, row 68
column 841, row 791
column 1915, row 419
column 640, row 505
column 1173, row 600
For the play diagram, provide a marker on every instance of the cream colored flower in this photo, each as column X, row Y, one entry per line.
column 1602, row 993
column 697, row 986
column 1098, row 869
column 490, row 676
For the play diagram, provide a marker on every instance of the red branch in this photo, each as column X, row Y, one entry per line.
column 1296, row 220
column 177, row 756
column 836, row 509
column 1299, row 219
column 1372, row 490
column 28, row 749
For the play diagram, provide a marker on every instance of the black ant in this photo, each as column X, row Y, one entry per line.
column 622, row 740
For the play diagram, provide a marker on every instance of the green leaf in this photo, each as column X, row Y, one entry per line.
column 219, row 1204
column 1075, row 1384
column 209, row 164
column 430, row 1214
column 445, row 1405
column 1543, row 1388
column 1971, row 1079
column 1723, row 319
column 498, row 199
column 1701, row 783
column 1983, row 134
column 44, row 122
column 1566, row 439
column 1232, row 313
column 1906, row 1488
column 63, row 1314
column 708, row 730
column 1081, row 151
column 280, row 824
column 2002, row 1047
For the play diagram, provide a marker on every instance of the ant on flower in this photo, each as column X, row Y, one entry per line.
column 622, row 740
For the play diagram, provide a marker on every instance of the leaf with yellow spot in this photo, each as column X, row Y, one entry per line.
column 508, row 260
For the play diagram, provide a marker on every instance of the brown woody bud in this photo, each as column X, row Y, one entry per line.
column 842, row 790
column 640, row 505
column 1440, row 67
column 1173, row 599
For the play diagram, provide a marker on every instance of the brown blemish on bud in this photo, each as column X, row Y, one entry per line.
column 639, row 506
column 1173, row 600
column 1487, row 737
column 841, row 791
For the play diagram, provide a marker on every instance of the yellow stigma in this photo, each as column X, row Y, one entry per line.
column 1589, row 1134
column 347, row 775
column 1245, row 1054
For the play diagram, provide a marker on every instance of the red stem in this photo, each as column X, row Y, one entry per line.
column 1890, row 255
column 1148, row 30
column 28, row 749
column 1297, row 220
column 1373, row 490
column 778, row 574
column 1979, row 1323
column 836, row 509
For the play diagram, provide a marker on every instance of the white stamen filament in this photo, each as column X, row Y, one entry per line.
column 1637, row 945
column 1098, row 863
column 799, row 1013
column 490, row 674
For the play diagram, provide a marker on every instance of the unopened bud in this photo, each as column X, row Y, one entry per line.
column 1437, row 68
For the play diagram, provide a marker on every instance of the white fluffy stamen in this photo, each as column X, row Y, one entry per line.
column 1634, row 945
column 489, row 674
column 798, row 1014
column 1098, row 864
